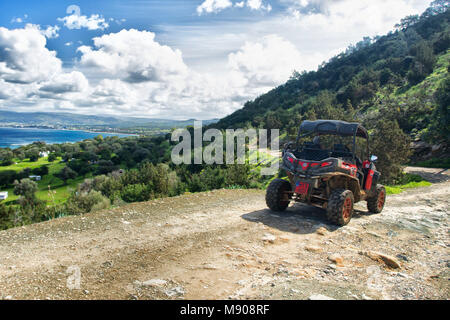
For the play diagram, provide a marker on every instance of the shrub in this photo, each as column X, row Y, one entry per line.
column 81, row 202
column 391, row 145
column 136, row 193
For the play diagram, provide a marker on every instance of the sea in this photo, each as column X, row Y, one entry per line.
column 16, row 137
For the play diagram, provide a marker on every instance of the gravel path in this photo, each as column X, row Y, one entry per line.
column 226, row 244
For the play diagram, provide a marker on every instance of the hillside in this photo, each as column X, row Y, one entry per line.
column 402, row 76
column 226, row 244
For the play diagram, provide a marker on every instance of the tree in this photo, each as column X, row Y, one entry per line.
column 407, row 22
column 52, row 157
column 25, row 188
column 392, row 147
column 6, row 157
column 6, row 216
column 33, row 154
column 66, row 174
column 7, row 177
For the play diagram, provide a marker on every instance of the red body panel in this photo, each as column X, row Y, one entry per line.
column 369, row 178
column 302, row 188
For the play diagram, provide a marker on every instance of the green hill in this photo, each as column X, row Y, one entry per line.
column 402, row 76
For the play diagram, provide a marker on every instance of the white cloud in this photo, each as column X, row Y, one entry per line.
column 267, row 63
column 74, row 81
column 133, row 56
column 209, row 6
column 24, row 57
column 258, row 5
column 51, row 32
column 17, row 20
column 94, row 22
column 215, row 6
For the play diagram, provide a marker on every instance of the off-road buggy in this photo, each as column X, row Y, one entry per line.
column 332, row 177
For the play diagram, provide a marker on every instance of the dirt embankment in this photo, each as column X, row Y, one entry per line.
column 226, row 244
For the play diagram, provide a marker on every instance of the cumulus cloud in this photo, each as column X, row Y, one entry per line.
column 133, row 56
column 258, row 5
column 215, row 6
column 50, row 32
column 268, row 62
column 209, row 6
column 74, row 81
column 75, row 21
column 24, row 57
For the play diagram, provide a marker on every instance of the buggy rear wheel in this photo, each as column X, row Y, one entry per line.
column 376, row 203
column 340, row 207
column 277, row 196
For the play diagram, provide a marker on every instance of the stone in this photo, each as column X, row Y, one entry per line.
column 313, row 249
column 389, row 261
column 269, row 238
column 177, row 291
column 322, row 231
column 336, row 259
column 319, row 297
column 154, row 283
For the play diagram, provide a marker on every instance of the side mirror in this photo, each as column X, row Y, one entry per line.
column 373, row 158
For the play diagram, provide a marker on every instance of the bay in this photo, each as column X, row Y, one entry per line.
column 16, row 137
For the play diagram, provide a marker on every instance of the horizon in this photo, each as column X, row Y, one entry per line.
column 176, row 60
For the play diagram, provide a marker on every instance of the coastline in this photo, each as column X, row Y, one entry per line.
column 16, row 140
column 65, row 129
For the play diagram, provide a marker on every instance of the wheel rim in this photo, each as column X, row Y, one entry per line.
column 347, row 209
column 284, row 198
column 381, row 200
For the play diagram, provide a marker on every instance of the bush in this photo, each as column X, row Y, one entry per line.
column 391, row 145
column 7, row 178
column 81, row 202
column 52, row 157
column 136, row 193
column 41, row 171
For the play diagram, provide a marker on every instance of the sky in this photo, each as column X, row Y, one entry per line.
column 172, row 59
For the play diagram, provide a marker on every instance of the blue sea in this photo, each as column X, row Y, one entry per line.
column 16, row 137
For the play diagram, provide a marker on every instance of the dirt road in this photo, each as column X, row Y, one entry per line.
column 226, row 244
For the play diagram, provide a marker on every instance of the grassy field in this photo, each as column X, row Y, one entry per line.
column 400, row 188
column 60, row 191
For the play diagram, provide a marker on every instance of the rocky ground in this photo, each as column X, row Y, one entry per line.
column 226, row 244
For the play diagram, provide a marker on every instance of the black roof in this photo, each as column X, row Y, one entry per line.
column 341, row 128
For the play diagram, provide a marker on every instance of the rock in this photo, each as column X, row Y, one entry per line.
column 154, row 283
column 376, row 235
column 8, row 298
column 322, row 231
column 269, row 238
column 209, row 267
column 436, row 148
column 175, row 292
column 313, row 249
column 319, row 297
column 419, row 146
column 364, row 297
column 337, row 259
column 390, row 261
column 402, row 257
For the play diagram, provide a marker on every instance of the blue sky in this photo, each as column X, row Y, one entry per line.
column 173, row 58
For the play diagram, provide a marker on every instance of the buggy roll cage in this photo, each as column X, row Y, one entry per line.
column 334, row 127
